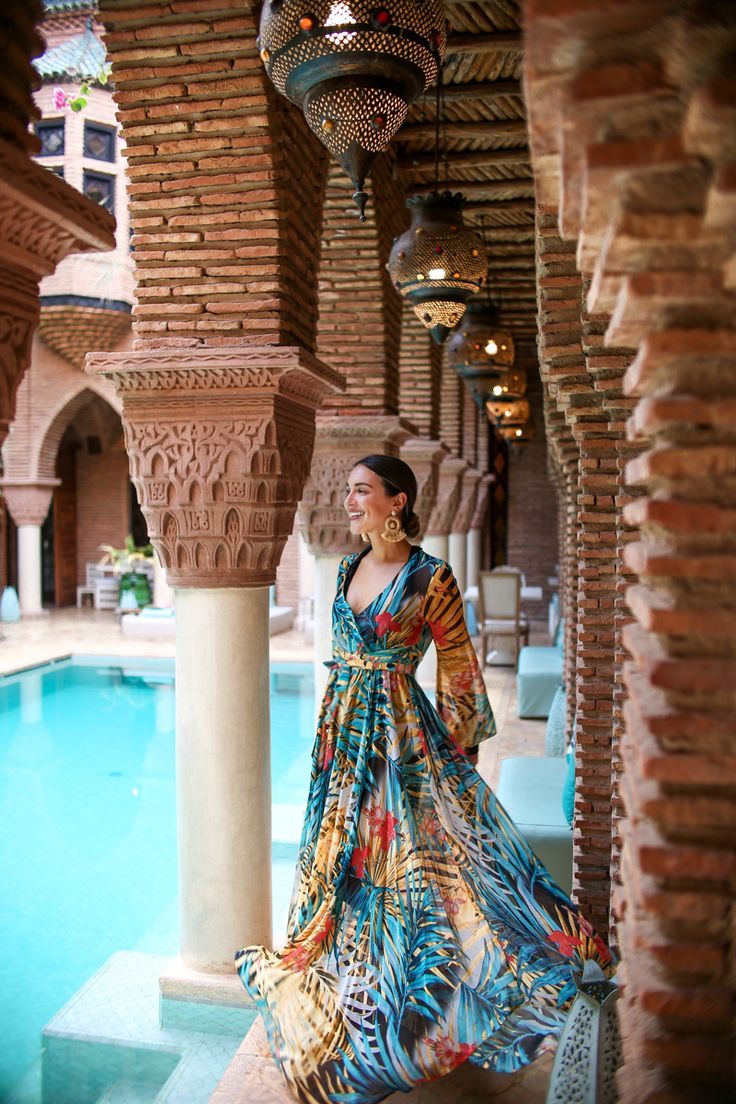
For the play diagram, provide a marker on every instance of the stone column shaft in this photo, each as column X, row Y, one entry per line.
column 220, row 442
column 223, row 773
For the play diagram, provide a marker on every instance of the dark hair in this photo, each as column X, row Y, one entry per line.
column 397, row 478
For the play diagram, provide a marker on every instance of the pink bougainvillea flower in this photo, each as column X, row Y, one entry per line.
column 59, row 99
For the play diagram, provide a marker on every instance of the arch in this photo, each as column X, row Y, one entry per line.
column 58, row 421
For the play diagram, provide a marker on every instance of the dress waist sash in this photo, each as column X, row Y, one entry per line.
column 404, row 660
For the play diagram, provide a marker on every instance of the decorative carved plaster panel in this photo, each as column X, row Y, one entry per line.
column 340, row 442
column 481, row 501
column 466, row 506
column 29, row 503
column 220, row 443
column 42, row 219
column 424, row 458
column 448, row 496
column 18, row 321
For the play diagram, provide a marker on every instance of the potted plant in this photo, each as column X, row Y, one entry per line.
column 127, row 562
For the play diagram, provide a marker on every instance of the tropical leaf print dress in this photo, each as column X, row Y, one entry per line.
column 423, row 931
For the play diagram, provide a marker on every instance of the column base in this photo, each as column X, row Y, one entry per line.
column 197, row 1001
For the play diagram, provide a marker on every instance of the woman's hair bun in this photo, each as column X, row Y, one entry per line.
column 412, row 525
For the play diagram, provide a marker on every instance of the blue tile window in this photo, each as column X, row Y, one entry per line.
column 100, row 188
column 51, row 137
column 99, row 141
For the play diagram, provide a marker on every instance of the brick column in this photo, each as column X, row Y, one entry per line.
column 643, row 184
column 225, row 217
column 460, row 526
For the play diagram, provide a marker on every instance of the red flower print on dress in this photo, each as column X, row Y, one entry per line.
column 357, row 861
column 449, row 1053
column 453, row 905
column 431, row 826
column 564, row 942
column 422, row 741
column 600, row 946
column 323, row 933
column 384, row 623
column 461, row 682
column 296, row 958
column 326, row 747
column 384, row 825
column 415, row 631
column 439, row 632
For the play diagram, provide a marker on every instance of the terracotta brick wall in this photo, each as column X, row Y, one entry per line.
column 287, row 574
column 359, row 311
column 532, row 512
column 451, row 407
column 420, row 377
column 103, row 504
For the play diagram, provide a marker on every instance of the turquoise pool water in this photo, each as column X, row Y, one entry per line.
column 87, row 806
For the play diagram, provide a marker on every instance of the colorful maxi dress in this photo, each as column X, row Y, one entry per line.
column 422, row 931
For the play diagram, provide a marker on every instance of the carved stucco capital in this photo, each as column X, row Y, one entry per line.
column 483, row 491
column 448, row 496
column 29, row 502
column 220, row 443
column 340, row 442
column 466, row 505
column 424, row 457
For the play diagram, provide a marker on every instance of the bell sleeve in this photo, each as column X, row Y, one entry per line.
column 462, row 701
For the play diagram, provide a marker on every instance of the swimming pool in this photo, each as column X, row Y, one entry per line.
column 87, row 799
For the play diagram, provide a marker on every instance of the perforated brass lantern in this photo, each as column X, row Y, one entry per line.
column 438, row 263
column 516, row 435
column 480, row 342
column 354, row 68
column 505, row 413
column 509, row 385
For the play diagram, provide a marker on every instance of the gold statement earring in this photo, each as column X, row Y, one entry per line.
column 393, row 531
column 365, row 538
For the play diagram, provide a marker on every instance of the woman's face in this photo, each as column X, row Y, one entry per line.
column 367, row 503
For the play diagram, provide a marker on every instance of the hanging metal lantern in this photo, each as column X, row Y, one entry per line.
column 506, row 413
column 480, row 342
column 438, row 263
column 511, row 384
column 354, row 68
column 516, row 435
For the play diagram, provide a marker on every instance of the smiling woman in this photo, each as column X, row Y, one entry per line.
column 423, row 932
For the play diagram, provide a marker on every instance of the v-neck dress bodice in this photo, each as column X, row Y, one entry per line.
column 422, row 931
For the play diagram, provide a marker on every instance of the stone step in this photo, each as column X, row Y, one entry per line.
column 107, row 1039
column 129, row 1092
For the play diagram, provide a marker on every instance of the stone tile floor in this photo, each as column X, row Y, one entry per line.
column 252, row 1077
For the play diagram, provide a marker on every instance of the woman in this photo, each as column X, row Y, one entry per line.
column 423, row 932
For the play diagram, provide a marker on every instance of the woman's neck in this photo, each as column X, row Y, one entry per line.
column 385, row 552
